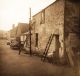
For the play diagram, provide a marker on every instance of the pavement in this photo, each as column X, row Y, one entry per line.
column 12, row 64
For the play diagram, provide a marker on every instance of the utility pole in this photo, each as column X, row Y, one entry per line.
column 30, row 31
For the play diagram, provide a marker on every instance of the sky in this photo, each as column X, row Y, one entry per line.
column 15, row 11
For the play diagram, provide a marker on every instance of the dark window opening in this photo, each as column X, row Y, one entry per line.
column 36, row 40
column 42, row 17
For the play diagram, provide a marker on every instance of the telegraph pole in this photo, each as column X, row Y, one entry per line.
column 30, row 30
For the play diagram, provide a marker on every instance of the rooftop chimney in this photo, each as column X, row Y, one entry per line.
column 13, row 26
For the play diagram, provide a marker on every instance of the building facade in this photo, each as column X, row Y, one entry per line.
column 61, row 18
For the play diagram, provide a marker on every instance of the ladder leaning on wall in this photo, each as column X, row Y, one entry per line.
column 44, row 56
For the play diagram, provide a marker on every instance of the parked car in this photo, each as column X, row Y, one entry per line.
column 8, row 43
column 14, row 44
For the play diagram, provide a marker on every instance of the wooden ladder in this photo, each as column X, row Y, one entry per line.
column 44, row 56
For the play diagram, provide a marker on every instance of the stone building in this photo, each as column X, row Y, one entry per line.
column 16, row 32
column 13, row 32
column 3, row 34
column 61, row 18
column 21, row 28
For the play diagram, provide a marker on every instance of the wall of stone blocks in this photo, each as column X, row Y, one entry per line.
column 54, row 24
column 72, row 26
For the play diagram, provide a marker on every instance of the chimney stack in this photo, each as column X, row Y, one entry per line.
column 13, row 26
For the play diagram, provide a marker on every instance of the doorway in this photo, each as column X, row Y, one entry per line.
column 57, row 46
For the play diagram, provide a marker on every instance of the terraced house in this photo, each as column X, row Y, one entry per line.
column 61, row 19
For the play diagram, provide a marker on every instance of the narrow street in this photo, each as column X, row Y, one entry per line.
column 12, row 64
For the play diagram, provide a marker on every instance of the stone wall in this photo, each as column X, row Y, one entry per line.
column 72, row 25
column 54, row 24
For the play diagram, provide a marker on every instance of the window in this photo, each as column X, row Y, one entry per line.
column 42, row 17
column 36, row 40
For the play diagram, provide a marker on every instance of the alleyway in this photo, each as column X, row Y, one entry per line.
column 12, row 64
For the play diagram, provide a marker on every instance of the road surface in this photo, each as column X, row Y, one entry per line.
column 12, row 64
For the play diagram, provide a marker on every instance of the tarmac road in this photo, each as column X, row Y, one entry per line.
column 12, row 64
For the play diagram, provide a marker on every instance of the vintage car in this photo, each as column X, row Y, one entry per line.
column 14, row 44
column 8, row 43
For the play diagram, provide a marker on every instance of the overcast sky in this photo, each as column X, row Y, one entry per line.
column 14, row 11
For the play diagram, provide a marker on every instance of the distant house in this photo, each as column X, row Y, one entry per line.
column 61, row 18
column 17, row 31
column 3, row 34
column 13, row 32
column 21, row 28
column 8, row 35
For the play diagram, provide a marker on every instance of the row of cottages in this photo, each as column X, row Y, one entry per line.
column 3, row 34
column 12, row 32
column 23, row 33
column 17, row 32
column 62, row 19
column 21, row 28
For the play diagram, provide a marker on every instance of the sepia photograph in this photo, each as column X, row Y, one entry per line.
column 39, row 38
